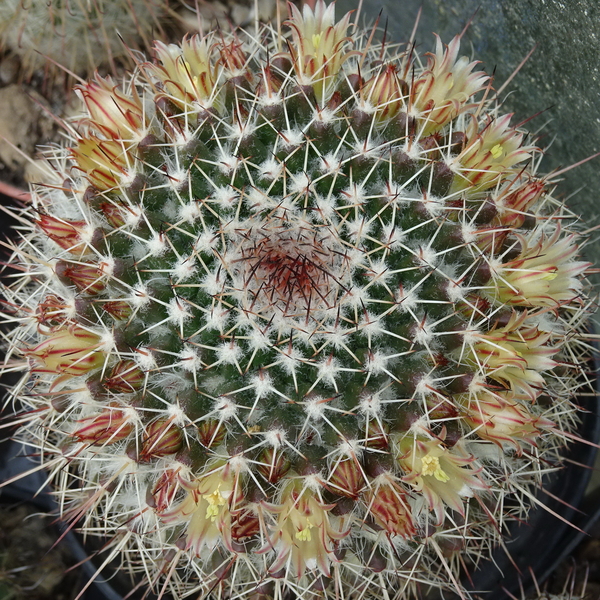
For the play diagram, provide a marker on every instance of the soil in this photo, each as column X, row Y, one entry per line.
column 31, row 566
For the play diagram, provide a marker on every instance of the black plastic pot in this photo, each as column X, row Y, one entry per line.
column 538, row 546
column 33, row 490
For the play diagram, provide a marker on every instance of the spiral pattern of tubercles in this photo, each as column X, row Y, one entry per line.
column 301, row 316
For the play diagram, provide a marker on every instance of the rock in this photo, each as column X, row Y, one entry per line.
column 23, row 124
column 237, row 12
column 10, row 65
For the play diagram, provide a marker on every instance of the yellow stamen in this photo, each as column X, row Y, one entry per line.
column 215, row 501
column 316, row 39
column 550, row 275
column 497, row 151
column 304, row 534
column 431, row 466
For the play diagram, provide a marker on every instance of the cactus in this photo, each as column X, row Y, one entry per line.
column 298, row 316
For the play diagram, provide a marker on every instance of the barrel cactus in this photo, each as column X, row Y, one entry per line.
column 298, row 317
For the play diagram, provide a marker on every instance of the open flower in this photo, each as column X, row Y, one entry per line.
column 443, row 476
column 544, row 274
column 515, row 354
column 302, row 537
column 187, row 73
column 207, row 510
column 490, row 151
column 442, row 91
column 319, row 48
column 111, row 112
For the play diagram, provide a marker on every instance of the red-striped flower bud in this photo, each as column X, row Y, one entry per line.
column 161, row 438
column 233, row 58
column 125, row 377
column 377, row 435
column 88, row 278
column 384, row 92
column 386, row 503
column 106, row 163
column 211, row 433
column 51, row 311
column 119, row 309
column 244, row 524
column 273, row 464
column 165, row 489
column 269, row 84
column 347, row 479
column 113, row 113
column 110, row 426
column 70, row 351
column 514, row 204
column 67, row 234
column 114, row 215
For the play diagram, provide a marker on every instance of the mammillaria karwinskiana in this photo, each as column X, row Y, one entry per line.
column 298, row 315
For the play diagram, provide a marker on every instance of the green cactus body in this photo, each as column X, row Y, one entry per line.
column 299, row 316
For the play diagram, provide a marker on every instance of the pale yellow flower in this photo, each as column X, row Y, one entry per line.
column 319, row 46
column 504, row 418
column 302, row 536
column 443, row 90
column 490, row 151
column 544, row 274
column 515, row 355
column 443, row 476
column 207, row 511
column 188, row 72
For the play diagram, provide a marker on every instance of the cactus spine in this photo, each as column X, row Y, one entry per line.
column 298, row 315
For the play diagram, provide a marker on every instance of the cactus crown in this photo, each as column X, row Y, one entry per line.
column 299, row 315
